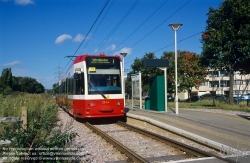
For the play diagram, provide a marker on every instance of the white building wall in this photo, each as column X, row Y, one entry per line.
column 218, row 81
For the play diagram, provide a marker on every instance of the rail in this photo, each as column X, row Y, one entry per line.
column 129, row 153
column 189, row 149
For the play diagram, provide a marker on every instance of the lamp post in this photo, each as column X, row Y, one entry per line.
column 123, row 69
column 175, row 27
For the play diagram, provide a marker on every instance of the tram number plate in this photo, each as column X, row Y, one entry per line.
column 105, row 102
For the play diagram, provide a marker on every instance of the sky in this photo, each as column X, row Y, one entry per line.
column 37, row 35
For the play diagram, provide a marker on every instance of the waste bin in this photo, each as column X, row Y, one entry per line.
column 147, row 103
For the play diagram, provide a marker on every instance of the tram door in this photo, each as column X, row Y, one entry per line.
column 78, row 93
column 79, row 83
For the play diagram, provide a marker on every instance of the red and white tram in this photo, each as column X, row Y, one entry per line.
column 92, row 87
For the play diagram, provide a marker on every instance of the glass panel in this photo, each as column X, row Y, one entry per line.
column 104, row 75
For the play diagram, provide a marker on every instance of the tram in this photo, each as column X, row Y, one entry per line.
column 92, row 87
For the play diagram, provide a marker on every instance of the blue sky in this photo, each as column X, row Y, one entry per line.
column 36, row 35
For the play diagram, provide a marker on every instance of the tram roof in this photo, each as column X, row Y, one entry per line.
column 82, row 58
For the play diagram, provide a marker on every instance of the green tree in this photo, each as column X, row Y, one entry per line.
column 6, row 80
column 170, row 56
column 128, row 88
column 226, row 43
column 54, row 88
column 147, row 73
column 16, row 83
column 39, row 88
column 191, row 71
column 30, row 85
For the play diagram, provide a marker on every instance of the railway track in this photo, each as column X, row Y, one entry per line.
column 147, row 146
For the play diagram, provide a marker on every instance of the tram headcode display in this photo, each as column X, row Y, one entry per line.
column 92, row 69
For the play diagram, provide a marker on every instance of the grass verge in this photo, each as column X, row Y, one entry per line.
column 34, row 141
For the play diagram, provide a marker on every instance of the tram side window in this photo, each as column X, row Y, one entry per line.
column 57, row 90
column 79, row 84
column 62, row 88
column 65, row 87
column 70, row 85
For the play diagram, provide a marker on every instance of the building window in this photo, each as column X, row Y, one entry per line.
column 238, row 82
column 224, row 73
column 204, row 83
column 214, row 84
column 224, row 83
column 214, row 73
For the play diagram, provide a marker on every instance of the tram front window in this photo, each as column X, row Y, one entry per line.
column 105, row 81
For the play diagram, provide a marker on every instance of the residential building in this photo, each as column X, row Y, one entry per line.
column 218, row 83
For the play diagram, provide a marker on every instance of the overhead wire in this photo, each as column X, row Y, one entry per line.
column 160, row 24
column 143, row 22
column 172, row 44
column 118, row 24
column 100, row 23
column 122, row 20
column 89, row 30
column 178, row 41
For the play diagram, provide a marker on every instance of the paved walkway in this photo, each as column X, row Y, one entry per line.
column 230, row 132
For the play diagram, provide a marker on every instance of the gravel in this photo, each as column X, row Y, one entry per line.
column 92, row 148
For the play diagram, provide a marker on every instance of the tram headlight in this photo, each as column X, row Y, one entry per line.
column 118, row 103
column 91, row 104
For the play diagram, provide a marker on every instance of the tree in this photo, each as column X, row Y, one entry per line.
column 191, row 70
column 147, row 73
column 30, row 85
column 170, row 56
column 54, row 88
column 128, row 88
column 6, row 79
column 226, row 43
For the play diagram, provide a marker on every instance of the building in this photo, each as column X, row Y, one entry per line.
column 218, row 83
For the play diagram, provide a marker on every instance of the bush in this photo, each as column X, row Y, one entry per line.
column 40, row 131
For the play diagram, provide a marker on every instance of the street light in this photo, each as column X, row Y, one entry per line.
column 175, row 27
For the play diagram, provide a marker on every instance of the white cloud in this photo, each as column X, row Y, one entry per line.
column 24, row 2
column 112, row 47
column 11, row 64
column 62, row 38
column 78, row 38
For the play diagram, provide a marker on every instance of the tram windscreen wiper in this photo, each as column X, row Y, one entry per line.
column 100, row 92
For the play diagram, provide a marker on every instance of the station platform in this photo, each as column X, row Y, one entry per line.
column 227, row 132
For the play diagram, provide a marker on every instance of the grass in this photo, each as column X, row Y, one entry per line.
column 40, row 130
column 11, row 105
column 36, row 104
column 208, row 104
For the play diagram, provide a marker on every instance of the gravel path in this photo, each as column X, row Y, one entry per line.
column 92, row 148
